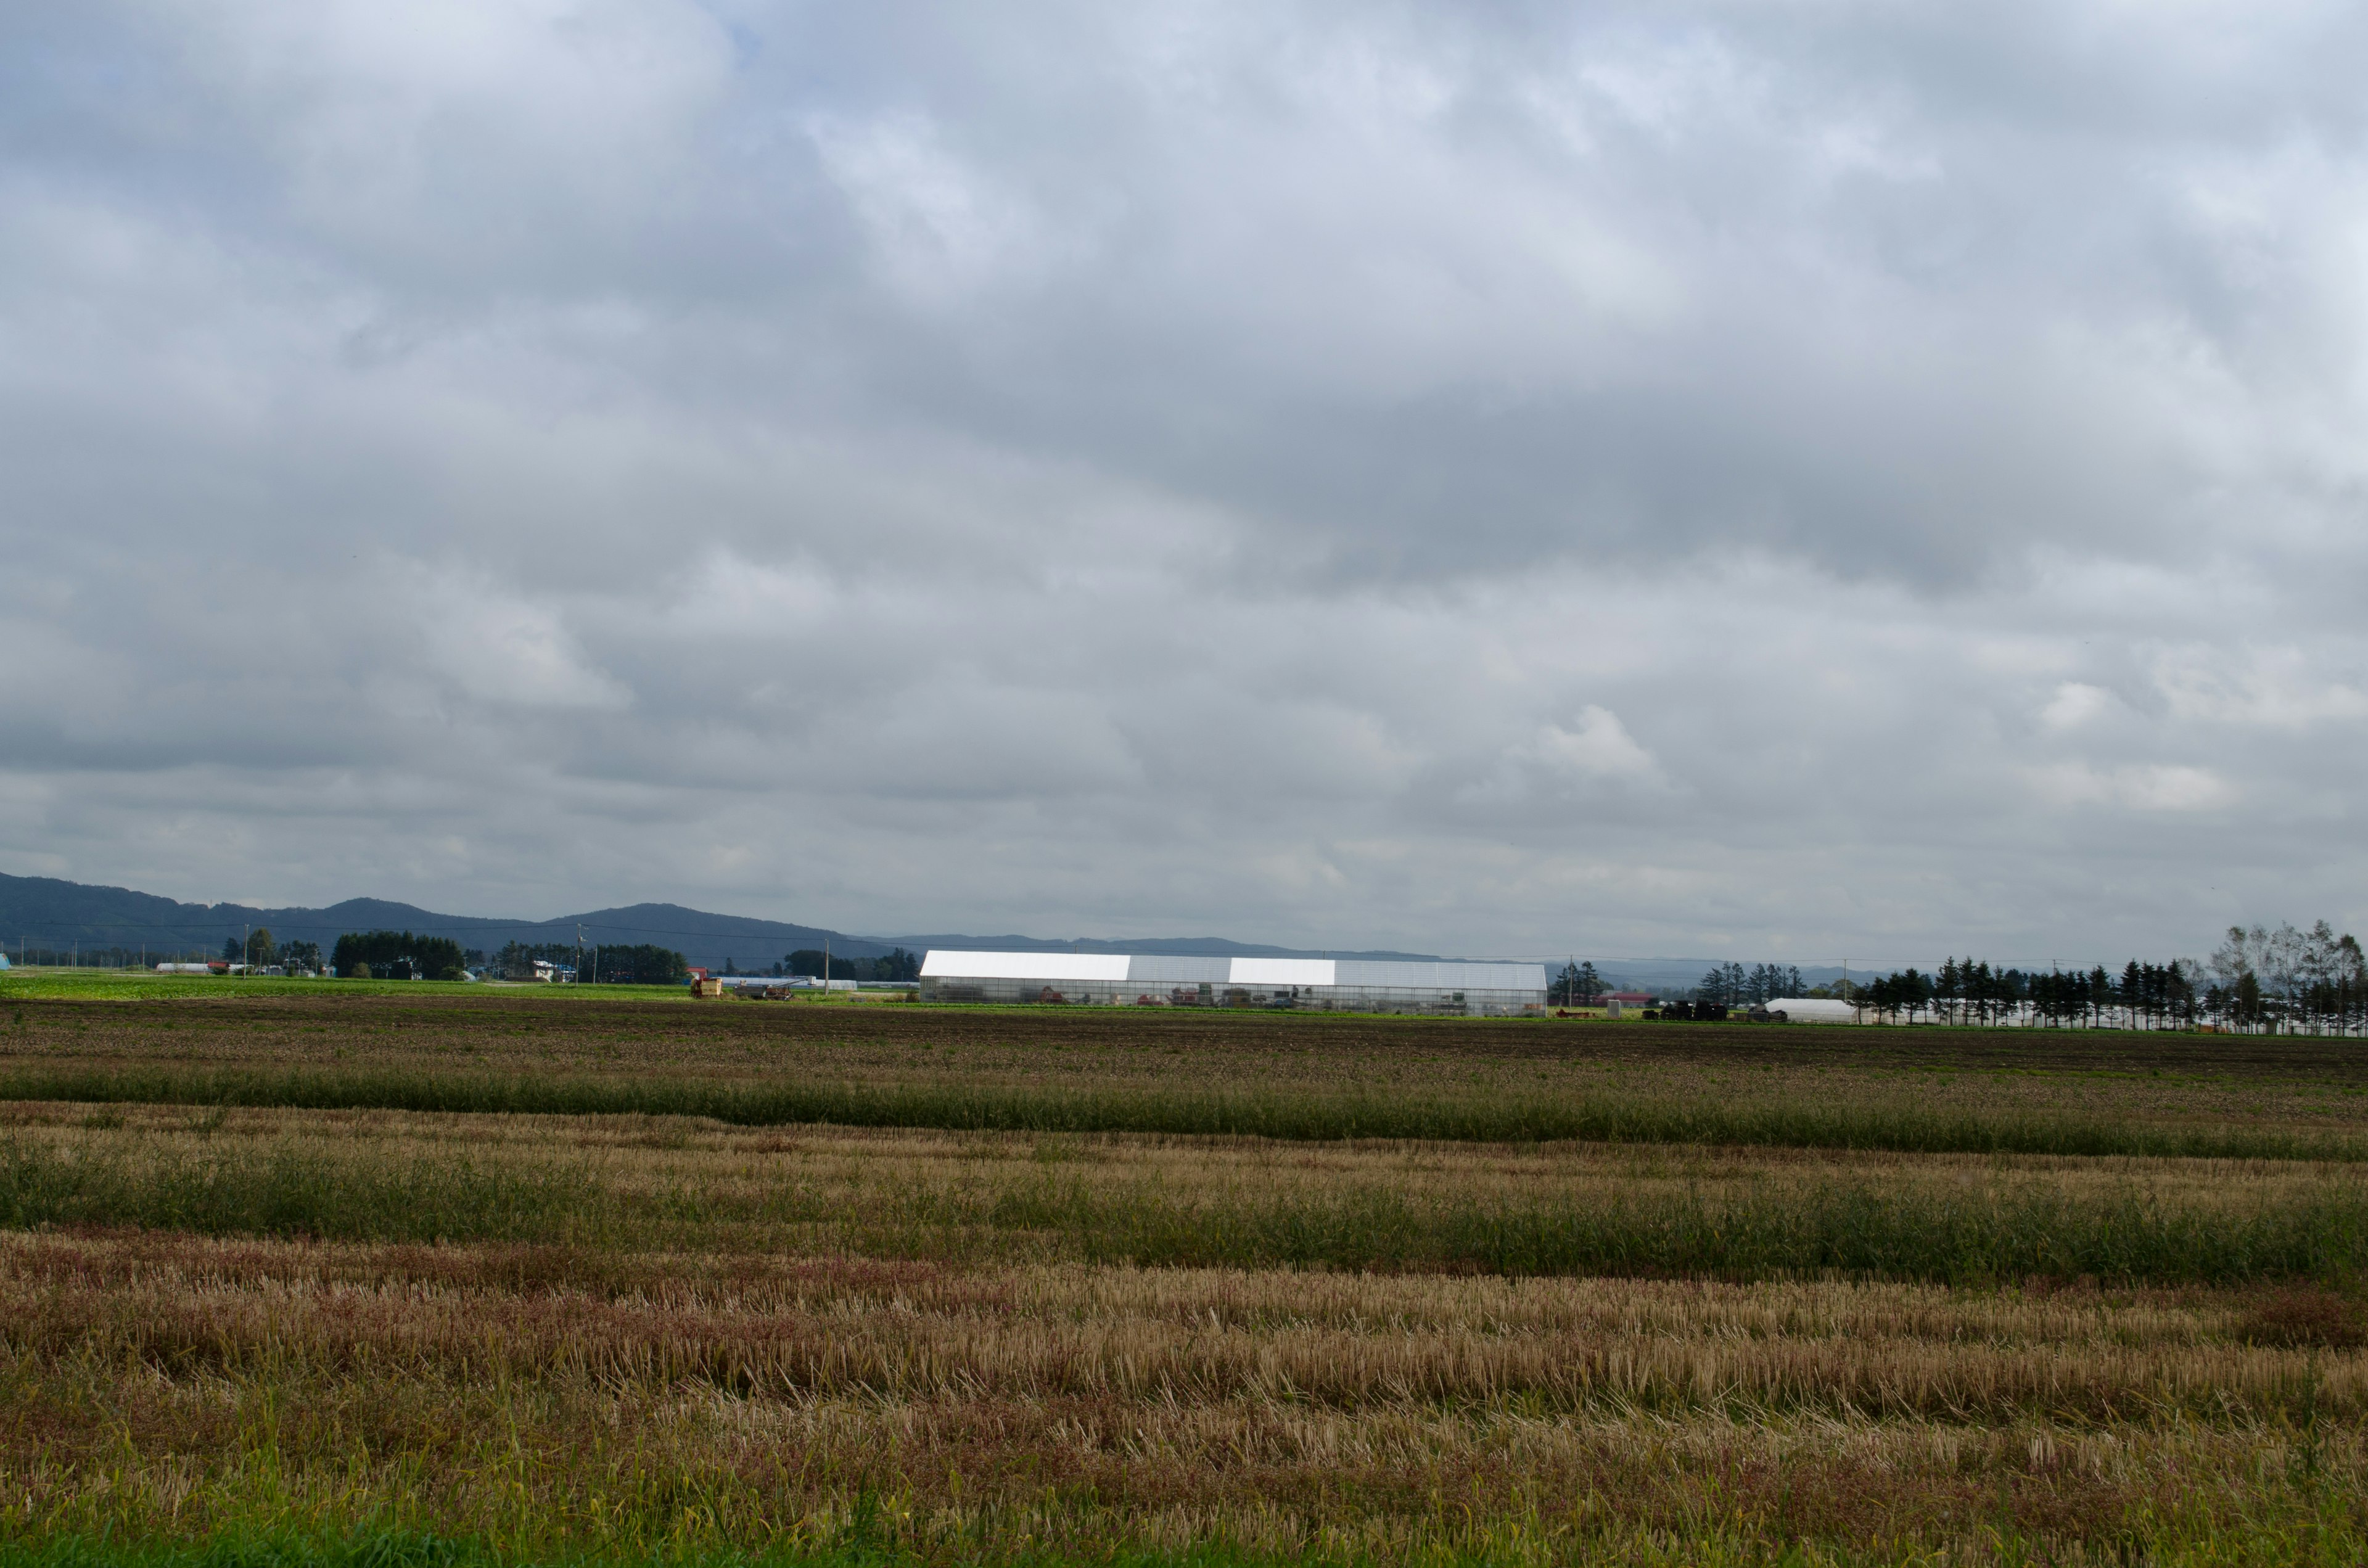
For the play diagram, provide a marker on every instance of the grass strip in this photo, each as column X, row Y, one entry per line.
column 1706, row 1546
column 284, row 1191
column 2283, row 1523
column 2293, row 1533
column 856, row 1547
column 1847, row 1227
column 1300, row 1116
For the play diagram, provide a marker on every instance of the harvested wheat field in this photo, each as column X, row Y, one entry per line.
column 543, row 1280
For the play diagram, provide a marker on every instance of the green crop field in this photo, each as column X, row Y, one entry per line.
column 399, row 1273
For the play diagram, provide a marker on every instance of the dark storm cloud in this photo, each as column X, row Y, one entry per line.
column 1756, row 479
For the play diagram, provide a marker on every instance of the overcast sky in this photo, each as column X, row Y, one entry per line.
column 1767, row 481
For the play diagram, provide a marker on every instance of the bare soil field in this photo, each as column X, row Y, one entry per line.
column 374, row 1279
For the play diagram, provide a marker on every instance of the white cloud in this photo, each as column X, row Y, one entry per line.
column 2157, row 787
column 941, row 226
column 1564, row 762
column 1438, row 477
column 2075, row 704
column 2276, row 687
column 1600, row 747
column 509, row 650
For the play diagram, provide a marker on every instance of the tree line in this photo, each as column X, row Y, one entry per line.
column 396, row 955
column 896, row 964
column 2285, row 980
column 1732, row 985
column 1974, row 991
column 1727, row 985
column 639, row 963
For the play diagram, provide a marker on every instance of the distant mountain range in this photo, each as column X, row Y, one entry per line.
column 48, row 913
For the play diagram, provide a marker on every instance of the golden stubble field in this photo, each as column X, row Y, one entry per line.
column 697, row 1338
column 554, row 1398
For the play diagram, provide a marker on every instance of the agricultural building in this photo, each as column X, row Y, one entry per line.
column 1813, row 1010
column 1147, row 980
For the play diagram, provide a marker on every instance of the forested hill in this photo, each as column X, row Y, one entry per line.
column 49, row 914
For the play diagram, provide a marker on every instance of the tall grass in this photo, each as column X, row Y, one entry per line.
column 284, row 1190
column 1851, row 1229
column 2294, row 1534
column 1841, row 1225
column 1284, row 1113
column 408, row 1549
column 404, row 1406
column 863, row 1542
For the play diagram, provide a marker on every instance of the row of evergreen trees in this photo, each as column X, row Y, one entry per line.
column 1971, row 992
column 1727, row 985
column 2312, row 981
column 1732, row 985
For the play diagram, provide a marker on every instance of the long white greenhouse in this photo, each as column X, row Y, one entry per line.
column 1150, row 979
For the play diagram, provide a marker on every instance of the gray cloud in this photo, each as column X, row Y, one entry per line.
column 1805, row 482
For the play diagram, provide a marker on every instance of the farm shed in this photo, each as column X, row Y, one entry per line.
column 1149, row 980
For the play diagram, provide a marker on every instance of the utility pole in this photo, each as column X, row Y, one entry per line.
column 579, row 955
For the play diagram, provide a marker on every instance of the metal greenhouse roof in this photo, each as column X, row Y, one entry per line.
column 942, row 965
column 1156, row 969
column 1406, row 976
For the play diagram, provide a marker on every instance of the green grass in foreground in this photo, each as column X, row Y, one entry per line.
column 408, row 1549
column 1294, row 1115
column 2296, row 1533
column 1848, row 1226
